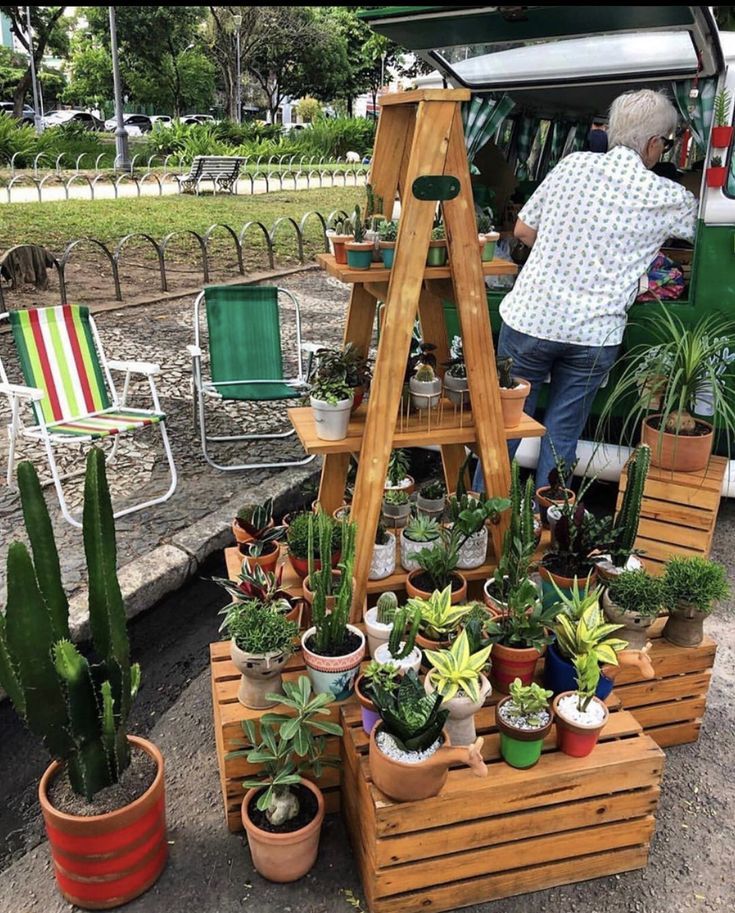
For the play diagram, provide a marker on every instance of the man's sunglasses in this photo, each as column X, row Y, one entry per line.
column 667, row 141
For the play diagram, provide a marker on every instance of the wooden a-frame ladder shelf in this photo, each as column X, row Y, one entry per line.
column 419, row 136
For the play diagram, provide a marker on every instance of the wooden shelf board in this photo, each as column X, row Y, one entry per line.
column 377, row 273
column 451, row 428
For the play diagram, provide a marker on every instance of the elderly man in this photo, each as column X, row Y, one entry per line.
column 594, row 225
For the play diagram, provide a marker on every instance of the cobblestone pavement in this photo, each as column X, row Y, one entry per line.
column 160, row 333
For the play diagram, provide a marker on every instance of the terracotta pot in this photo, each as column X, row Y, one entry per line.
column 513, row 401
column 104, row 861
column 284, row 857
column 607, row 571
column 635, row 625
column 267, row 560
column 566, row 584
column 358, row 395
column 259, row 675
column 575, row 739
column 370, row 715
column 460, row 725
column 520, row 748
column 545, row 503
column 342, row 511
column 387, row 253
column 407, row 484
column 716, row 177
column 426, row 643
column 684, row 626
column 301, row 565
column 340, row 254
column 510, row 663
column 242, row 535
column 333, row 675
column 412, row 782
column 458, row 595
column 678, row 452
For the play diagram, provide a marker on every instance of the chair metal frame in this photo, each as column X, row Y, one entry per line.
column 207, row 388
column 42, row 431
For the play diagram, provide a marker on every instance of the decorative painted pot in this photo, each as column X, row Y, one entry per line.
column 635, row 625
column 559, row 675
column 267, row 560
column 457, row 390
column 359, row 254
column 545, row 503
column 512, row 402
column 474, row 552
column 333, row 675
column 388, row 252
column 495, row 605
column 289, row 856
column 679, row 452
column 106, row 860
column 407, row 782
column 409, row 550
column 459, row 594
column 340, row 254
column 510, row 663
column 425, row 394
column 383, row 656
column 331, row 422
column 460, row 724
column 437, row 253
column 684, row 626
column 260, row 673
column 576, row 739
column 383, row 562
column 377, row 632
column 370, row 715
column 520, row 748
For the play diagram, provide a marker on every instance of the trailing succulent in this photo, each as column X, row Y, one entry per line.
column 414, row 718
column 79, row 708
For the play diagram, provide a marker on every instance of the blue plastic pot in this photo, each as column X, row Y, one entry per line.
column 362, row 258
column 559, row 675
column 388, row 253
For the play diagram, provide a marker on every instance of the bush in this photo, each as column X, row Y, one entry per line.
column 333, row 137
column 16, row 138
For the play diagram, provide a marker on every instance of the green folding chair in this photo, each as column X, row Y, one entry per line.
column 245, row 360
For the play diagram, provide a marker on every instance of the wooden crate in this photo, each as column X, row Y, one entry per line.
column 679, row 512
column 229, row 735
column 565, row 820
column 670, row 706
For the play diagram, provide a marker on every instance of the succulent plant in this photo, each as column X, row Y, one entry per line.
column 414, row 718
column 405, row 628
column 359, row 227
column 425, row 373
column 387, row 605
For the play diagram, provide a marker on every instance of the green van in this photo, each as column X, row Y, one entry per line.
column 555, row 70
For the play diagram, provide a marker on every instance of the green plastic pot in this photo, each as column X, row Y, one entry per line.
column 488, row 251
column 437, row 253
column 359, row 257
column 520, row 748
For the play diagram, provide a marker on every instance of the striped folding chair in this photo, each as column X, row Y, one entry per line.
column 70, row 389
column 245, row 359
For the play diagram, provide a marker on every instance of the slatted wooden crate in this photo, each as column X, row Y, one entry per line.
column 565, row 820
column 229, row 735
column 679, row 512
column 670, row 706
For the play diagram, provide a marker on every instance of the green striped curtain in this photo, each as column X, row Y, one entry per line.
column 575, row 139
column 482, row 118
column 558, row 136
column 697, row 112
column 524, row 141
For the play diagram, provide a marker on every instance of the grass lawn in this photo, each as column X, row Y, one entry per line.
column 56, row 224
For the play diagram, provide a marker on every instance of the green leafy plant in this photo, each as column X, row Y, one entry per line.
column 258, row 630
column 578, row 535
column 519, row 542
column 398, row 466
column 386, row 606
column 456, row 366
column 79, row 709
column 505, row 377
column 433, row 491
column 402, row 638
column 347, row 364
column 637, row 592
column 297, row 537
column 385, row 675
column 721, row 108
column 589, row 633
column 438, row 232
column 576, row 601
column 484, row 221
column 457, row 670
column 381, row 534
column 523, row 622
column 388, row 230
column 529, row 701
column 438, row 616
column 331, row 390
column 412, row 717
column 421, row 528
column 260, row 586
column 694, row 581
column 716, row 161
column 331, row 627
column 587, row 674
column 396, row 496
column 287, row 746
column 256, row 518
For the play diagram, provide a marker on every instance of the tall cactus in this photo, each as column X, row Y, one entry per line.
column 625, row 527
column 386, row 608
column 79, row 709
column 405, row 628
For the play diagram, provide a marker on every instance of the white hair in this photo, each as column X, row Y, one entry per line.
column 635, row 117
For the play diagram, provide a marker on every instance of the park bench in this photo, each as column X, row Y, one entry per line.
column 221, row 170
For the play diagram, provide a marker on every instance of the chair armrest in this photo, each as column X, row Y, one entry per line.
column 312, row 347
column 135, row 367
column 194, row 351
column 20, row 392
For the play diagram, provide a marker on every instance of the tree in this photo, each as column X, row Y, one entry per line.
column 47, row 33
column 225, row 22
column 308, row 109
column 91, row 75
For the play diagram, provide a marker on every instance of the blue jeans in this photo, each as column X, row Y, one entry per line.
column 576, row 374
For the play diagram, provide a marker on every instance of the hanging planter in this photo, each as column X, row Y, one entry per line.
column 721, row 137
column 716, row 176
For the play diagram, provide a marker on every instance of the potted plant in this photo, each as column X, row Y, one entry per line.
column 425, row 388
column 263, row 549
column 469, row 516
column 410, row 752
column 580, row 627
column 486, row 234
column 372, row 234
column 282, row 811
column 580, row 715
column 691, row 587
column 387, row 235
column 383, row 562
column 694, row 359
column 431, row 497
column 439, row 618
column 297, row 539
column 420, row 353
column 457, row 674
column 263, row 587
column 262, row 644
column 331, row 403
column 437, row 253
column 437, row 568
column 397, row 474
column 359, row 250
column 514, row 391
column 342, row 234
column 578, row 536
column 456, row 385
column 80, row 707
column 721, row 132
column 332, row 648
column 524, row 720
column 379, row 620
column 633, row 600
column 347, row 364
column 396, row 506
column 386, row 676
column 417, row 534
column 252, row 520
column 716, row 173
column 401, row 649
column 556, row 491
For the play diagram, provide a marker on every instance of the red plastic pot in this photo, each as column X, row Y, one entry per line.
column 716, row 177
column 721, row 137
column 573, row 739
column 104, row 861
column 301, row 565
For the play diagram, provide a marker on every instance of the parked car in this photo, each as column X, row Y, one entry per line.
column 27, row 117
column 197, row 119
column 163, row 120
column 288, row 128
column 57, row 118
column 140, row 121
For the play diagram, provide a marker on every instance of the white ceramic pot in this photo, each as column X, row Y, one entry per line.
column 460, row 723
column 383, row 562
column 474, row 552
column 333, row 675
column 377, row 632
column 457, row 390
column 409, row 550
column 331, row 421
column 383, row 656
column 425, row 394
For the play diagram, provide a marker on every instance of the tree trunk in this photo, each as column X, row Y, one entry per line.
column 349, row 106
column 19, row 93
